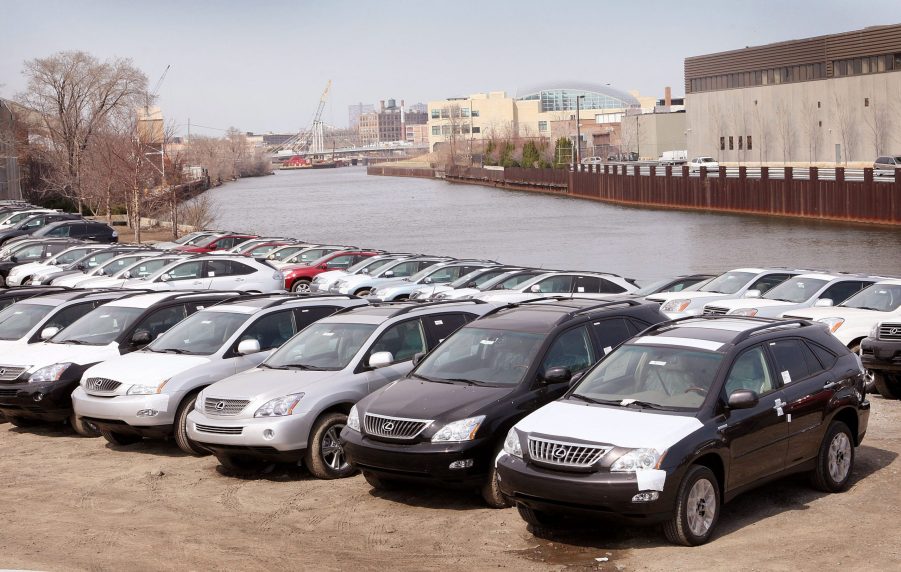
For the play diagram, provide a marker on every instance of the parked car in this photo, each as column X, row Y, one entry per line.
column 324, row 281
column 189, row 239
column 696, row 164
column 473, row 280
column 138, row 269
column 262, row 249
column 294, row 405
column 738, row 283
column 165, row 377
column 880, row 353
column 299, row 277
column 886, row 165
column 107, row 269
column 23, row 273
column 280, row 253
column 32, row 224
column 802, row 291
column 215, row 242
column 86, row 263
column 680, row 420
column 28, row 251
column 442, row 273
column 558, row 283
column 213, row 272
column 12, row 218
column 244, row 247
column 77, row 228
column 308, row 255
column 38, row 380
column 677, row 284
column 11, row 296
column 361, row 284
column 446, row 421
column 510, row 280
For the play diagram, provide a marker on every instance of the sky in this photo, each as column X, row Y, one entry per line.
column 261, row 66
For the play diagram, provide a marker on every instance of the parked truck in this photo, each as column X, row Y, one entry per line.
column 679, row 157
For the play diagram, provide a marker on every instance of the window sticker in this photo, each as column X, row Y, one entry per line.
column 608, row 349
column 327, row 334
column 439, row 322
column 786, row 377
column 580, row 289
column 657, row 362
column 210, row 274
column 487, row 342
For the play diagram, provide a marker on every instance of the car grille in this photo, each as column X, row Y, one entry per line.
column 889, row 331
column 715, row 310
column 101, row 384
column 394, row 427
column 8, row 392
column 216, row 406
column 218, row 430
column 564, row 454
column 9, row 373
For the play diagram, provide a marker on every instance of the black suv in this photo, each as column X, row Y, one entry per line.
column 685, row 417
column 445, row 422
column 34, row 224
column 881, row 354
column 83, row 229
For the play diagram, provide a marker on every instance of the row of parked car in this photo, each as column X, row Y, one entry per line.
column 554, row 391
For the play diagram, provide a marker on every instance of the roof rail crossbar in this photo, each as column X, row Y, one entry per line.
column 605, row 304
column 776, row 323
column 417, row 306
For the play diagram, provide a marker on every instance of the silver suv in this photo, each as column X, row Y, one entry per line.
column 444, row 273
column 293, row 406
column 886, row 165
column 362, row 284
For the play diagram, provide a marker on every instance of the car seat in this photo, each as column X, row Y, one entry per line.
column 747, row 373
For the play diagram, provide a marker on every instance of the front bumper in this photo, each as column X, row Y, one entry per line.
column 420, row 461
column 47, row 401
column 880, row 355
column 602, row 494
column 258, row 436
column 124, row 409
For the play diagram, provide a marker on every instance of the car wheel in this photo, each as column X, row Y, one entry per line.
column 887, row 385
column 185, row 443
column 362, row 292
column 380, row 483
column 325, row 457
column 491, row 493
column 23, row 421
column 82, row 427
column 835, row 460
column 697, row 508
column 302, row 286
column 120, row 439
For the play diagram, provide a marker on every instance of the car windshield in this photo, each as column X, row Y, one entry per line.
column 657, row 377
column 262, row 250
column 18, row 319
column 728, row 283
column 400, row 269
column 879, row 297
column 322, row 346
column 310, row 255
column 795, row 290
column 93, row 260
column 143, row 268
column 652, row 288
column 202, row 333
column 69, row 256
column 99, row 327
column 113, row 266
column 483, row 356
column 369, row 264
column 283, row 253
column 480, row 277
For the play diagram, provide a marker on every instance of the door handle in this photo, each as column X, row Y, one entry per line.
column 831, row 384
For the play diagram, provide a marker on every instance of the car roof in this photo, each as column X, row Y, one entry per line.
column 543, row 315
column 251, row 304
column 382, row 312
column 715, row 333
column 146, row 300
column 58, row 298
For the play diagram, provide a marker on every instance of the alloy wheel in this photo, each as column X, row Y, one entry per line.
column 701, row 507
column 332, row 451
column 839, row 457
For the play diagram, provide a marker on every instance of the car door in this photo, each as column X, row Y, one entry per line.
column 270, row 330
column 188, row 275
column 403, row 340
column 757, row 437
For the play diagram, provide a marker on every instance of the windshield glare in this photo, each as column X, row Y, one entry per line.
column 18, row 319
column 283, row 253
column 144, row 268
column 322, row 346
column 728, row 283
column 369, row 264
column 478, row 276
column 482, row 355
column 670, row 377
column 202, row 333
column 100, row 326
column 879, row 297
column 795, row 290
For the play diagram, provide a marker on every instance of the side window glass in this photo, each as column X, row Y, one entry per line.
column 766, row 282
column 340, row 261
column 271, row 331
column 608, row 287
column 554, row 284
column 750, row 371
column 611, row 333
column 841, row 291
column 60, row 231
column 825, row 357
column 68, row 315
column 238, row 269
column 216, row 268
column 441, row 326
column 587, row 285
column 303, row 317
column 161, row 320
column 572, row 349
column 186, row 271
column 793, row 360
column 403, row 340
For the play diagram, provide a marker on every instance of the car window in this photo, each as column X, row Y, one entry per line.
column 322, row 346
column 572, row 349
column 750, row 371
column 793, row 360
column 825, row 357
column 587, row 285
column 403, row 340
column 66, row 316
column 445, row 275
column 271, row 330
column 339, row 262
column 186, row 271
column 403, row 269
column 513, row 282
column 30, row 252
column 608, row 287
column 216, row 268
column 553, row 284
column 764, row 283
column 16, row 320
column 159, row 321
column 240, row 269
column 303, row 317
column 841, row 291
column 441, row 326
column 795, row 290
column 53, row 248
column 202, row 333
column 71, row 256
column 612, row 332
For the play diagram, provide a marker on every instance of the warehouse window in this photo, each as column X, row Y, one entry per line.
column 731, row 145
column 722, row 143
column 749, row 142
column 739, row 142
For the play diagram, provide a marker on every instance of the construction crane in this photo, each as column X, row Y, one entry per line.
column 151, row 95
column 312, row 140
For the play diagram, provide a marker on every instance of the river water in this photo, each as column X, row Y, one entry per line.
column 346, row 206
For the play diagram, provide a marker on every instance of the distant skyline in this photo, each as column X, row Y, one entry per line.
column 262, row 66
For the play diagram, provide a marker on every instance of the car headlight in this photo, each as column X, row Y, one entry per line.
column 744, row 312
column 353, row 419
column 462, row 430
column 440, row 296
column 198, row 403
column 373, row 291
column 874, row 333
column 50, row 372
column 675, row 305
column 512, row 445
column 832, row 323
column 145, row 389
column 279, row 407
column 637, row 460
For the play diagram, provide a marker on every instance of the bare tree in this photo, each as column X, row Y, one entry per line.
column 879, row 124
column 785, row 128
column 720, row 127
column 811, row 128
column 200, row 212
column 847, row 128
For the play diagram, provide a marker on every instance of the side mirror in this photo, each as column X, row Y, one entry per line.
column 364, row 271
column 388, row 274
column 13, row 258
column 471, row 284
column 246, row 347
column 80, row 267
column 380, row 359
column 127, row 274
column 743, row 399
column 165, row 277
column 535, row 288
column 141, row 338
column 824, row 303
column 427, row 280
column 752, row 294
column 417, row 357
column 49, row 332
column 558, row 375
column 323, row 266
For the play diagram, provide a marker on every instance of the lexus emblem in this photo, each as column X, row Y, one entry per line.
column 892, row 331
column 559, row 452
column 220, row 406
column 2, row 371
column 388, row 427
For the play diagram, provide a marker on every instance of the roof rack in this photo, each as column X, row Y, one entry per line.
column 765, row 324
column 287, row 297
column 417, row 306
column 774, row 324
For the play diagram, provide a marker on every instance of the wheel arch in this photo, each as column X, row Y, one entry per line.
column 715, row 463
column 848, row 416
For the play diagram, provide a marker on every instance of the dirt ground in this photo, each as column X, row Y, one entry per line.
column 75, row 503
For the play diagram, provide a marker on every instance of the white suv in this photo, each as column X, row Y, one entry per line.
column 577, row 284
column 709, row 163
column 213, row 272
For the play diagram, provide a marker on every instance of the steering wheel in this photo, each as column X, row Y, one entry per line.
column 696, row 389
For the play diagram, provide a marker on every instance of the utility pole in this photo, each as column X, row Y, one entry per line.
column 577, row 152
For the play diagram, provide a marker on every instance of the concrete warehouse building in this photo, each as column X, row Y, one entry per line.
column 826, row 100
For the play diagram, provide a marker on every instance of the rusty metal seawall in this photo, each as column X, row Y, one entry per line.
column 813, row 198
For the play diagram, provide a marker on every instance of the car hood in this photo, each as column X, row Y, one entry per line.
column 751, row 303
column 284, row 267
column 145, row 367
column 841, row 312
column 101, row 282
column 694, row 295
column 260, row 384
column 71, row 279
column 618, row 426
column 418, row 399
column 41, row 354
column 29, row 267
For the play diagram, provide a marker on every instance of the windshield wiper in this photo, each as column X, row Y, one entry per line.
column 593, row 400
column 646, row 404
column 432, row 379
column 303, row 367
column 172, row 351
column 868, row 308
column 74, row 342
column 463, row 380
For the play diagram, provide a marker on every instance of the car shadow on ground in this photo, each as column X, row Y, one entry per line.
column 272, row 472
column 151, row 447
column 44, row 429
column 433, row 497
column 788, row 494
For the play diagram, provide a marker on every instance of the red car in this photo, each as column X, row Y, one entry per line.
column 299, row 276
column 219, row 242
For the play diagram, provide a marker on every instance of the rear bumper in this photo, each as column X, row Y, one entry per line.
column 880, row 355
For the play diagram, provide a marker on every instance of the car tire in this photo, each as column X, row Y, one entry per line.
column 380, row 483
column 362, row 292
column 491, row 492
column 692, row 523
column 301, row 286
column 120, row 439
column 82, row 427
column 325, row 458
column 184, row 442
column 22, row 421
column 835, row 460
column 888, row 386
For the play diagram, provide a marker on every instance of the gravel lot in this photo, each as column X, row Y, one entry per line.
column 76, row 503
